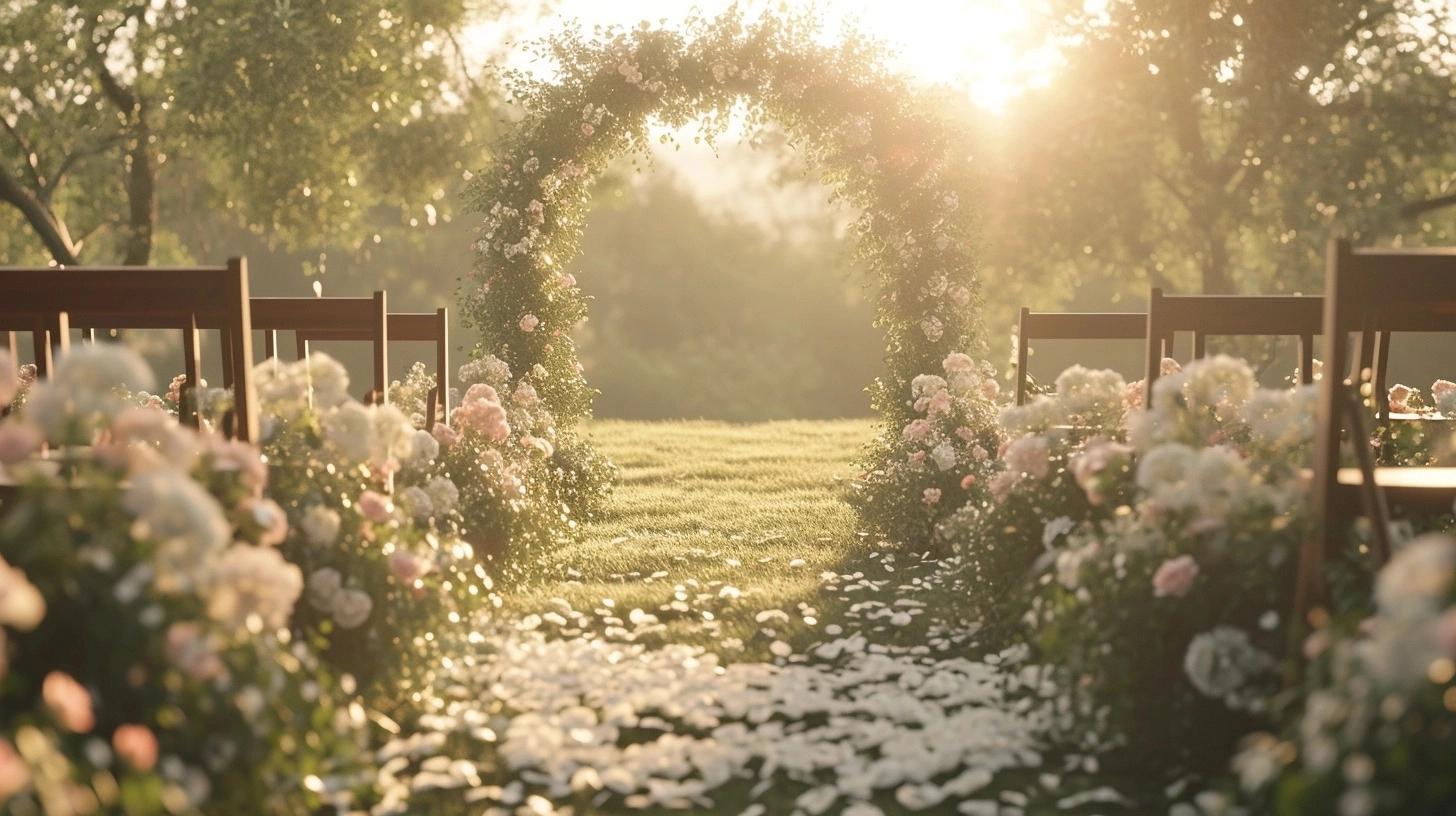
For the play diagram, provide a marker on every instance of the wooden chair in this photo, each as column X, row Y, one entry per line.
column 1072, row 326
column 1411, row 287
column 420, row 327
column 1232, row 315
column 353, row 318
column 49, row 301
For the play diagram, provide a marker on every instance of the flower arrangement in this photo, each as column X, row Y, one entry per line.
column 941, row 458
column 1373, row 728
column 1148, row 555
column 147, row 661
column 878, row 144
column 372, row 520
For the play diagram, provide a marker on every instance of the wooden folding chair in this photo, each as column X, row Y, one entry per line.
column 1071, row 326
column 1411, row 287
column 49, row 301
column 360, row 318
column 1230, row 315
column 420, row 327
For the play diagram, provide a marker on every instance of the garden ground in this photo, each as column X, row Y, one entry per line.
column 726, row 640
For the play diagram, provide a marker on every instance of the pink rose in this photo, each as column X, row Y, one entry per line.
column 931, row 495
column 958, row 363
column 14, row 773
column 1399, row 397
column 408, row 567
column 190, row 650
column 1174, row 578
column 267, row 518
column 375, row 507
column 938, row 404
column 567, row 281
column 587, row 129
column 445, row 435
column 18, row 441
column 137, row 745
column 1029, row 455
column 969, row 480
column 529, row 322
column 990, row 389
column 69, row 701
column 959, row 295
column 481, row 391
column 1001, row 485
column 1090, row 466
column 1441, row 388
column 918, row 430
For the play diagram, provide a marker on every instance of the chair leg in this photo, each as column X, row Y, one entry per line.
column 192, row 351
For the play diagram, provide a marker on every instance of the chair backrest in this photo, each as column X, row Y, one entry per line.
column 1229, row 315
column 46, row 299
column 361, row 318
column 1389, row 289
column 421, row 327
column 1072, row 326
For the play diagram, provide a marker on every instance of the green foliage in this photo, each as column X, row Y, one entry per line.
column 299, row 115
column 1213, row 146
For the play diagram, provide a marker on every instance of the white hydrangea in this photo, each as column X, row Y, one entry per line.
column 349, row 429
column 944, row 456
column 1222, row 662
column 443, row 493
column 320, row 525
column 186, row 522
column 253, row 581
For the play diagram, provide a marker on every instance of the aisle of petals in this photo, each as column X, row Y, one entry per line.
column 622, row 724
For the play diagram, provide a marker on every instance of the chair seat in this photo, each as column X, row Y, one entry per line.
column 1421, row 417
column 1424, row 489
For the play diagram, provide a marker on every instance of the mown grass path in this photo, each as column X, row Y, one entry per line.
column 711, row 523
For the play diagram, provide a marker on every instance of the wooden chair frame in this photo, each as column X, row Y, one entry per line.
column 356, row 318
column 1072, row 326
column 421, row 327
column 49, row 301
column 1228, row 315
column 1387, row 289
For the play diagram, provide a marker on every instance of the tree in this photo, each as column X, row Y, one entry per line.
column 1215, row 145
column 301, row 115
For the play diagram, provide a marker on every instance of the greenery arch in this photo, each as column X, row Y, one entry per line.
column 878, row 141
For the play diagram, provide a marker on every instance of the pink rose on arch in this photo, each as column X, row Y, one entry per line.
column 939, row 404
column 958, row 363
column 375, row 507
column 969, row 480
column 1174, row 577
column 567, row 280
column 918, row 430
column 1441, row 388
column 408, row 567
column 931, row 495
column 587, row 129
column 69, row 701
column 529, row 322
column 959, row 295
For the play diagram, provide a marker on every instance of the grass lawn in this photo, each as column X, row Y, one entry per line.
column 710, row 524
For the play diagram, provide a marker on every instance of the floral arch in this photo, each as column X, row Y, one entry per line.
column 878, row 142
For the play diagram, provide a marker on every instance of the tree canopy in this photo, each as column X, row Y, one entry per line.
column 299, row 116
column 1215, row 145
